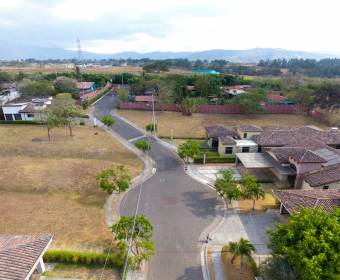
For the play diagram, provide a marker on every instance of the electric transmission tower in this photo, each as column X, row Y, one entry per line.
column 79, row 65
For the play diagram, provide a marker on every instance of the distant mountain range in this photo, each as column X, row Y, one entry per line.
column 13, row 52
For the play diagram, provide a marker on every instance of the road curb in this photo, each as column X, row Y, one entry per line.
column 212, row 228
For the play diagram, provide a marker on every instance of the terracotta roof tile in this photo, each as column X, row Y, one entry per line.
column 19, row 253
column 294, row 200
column 219, row 130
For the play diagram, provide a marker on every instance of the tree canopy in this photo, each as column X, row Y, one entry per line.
column 115, row 179
column 188, row 149
column 65, row 84
column 142, row 247
column 226, row 186
column 310, row 240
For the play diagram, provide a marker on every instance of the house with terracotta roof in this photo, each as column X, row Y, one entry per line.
column 22, row 255
column 86, row 87
column 306, row 157
column 292, row 201
column 145, row 98
column 275, row 98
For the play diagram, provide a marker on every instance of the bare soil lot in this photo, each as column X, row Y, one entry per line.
column 51, row 187
column 193, row 126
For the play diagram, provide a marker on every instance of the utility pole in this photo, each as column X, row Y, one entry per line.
column 153, row 114
column 80, row 61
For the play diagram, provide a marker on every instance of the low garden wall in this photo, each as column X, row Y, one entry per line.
column 213, row 109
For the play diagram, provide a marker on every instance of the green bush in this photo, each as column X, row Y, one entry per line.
column 143, row 145
column 19, row 122
column 214, row 159
column 81, row 123
column 85, row 258
column 150, row 127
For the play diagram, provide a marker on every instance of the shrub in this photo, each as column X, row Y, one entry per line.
column 108, row 120
column 151, row 127
column 143, row 145
column 85, row 258
column 81, row 123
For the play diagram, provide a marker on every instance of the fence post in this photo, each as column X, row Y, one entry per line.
column 204, row 157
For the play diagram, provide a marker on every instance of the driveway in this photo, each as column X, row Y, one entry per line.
column 179, row 207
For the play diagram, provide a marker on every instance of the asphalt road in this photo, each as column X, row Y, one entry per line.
column 178, row 207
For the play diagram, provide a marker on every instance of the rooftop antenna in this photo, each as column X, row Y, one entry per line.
column 79, row 65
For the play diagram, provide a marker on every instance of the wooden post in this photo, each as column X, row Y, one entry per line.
column 204, row 158
column 172, row 135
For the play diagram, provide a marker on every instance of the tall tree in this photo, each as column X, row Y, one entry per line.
column 65, row 84
column 188, row 149
column 243, row 248
column 51, row 119
column 114, row 180
column 189, row 105
column 327, row 96
column 251, row 188
column 310, row 242
column 142, row 247
column 65, row 106
column 226, row 186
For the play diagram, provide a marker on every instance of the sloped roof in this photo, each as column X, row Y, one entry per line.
column 249, row 128
column 276, row 97
column 145, row 98
column 227, row 140
column 219, row 130
column 326, row 175
column 297, row 136
column 84, row 85
column 294, row 200
column 19, row 254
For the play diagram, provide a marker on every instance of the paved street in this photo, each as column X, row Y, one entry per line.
column 179, row 207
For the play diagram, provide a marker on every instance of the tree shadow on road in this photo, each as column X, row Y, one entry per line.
column 201, row 204
column 192, row 273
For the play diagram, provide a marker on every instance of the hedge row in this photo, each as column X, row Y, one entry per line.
column 214, row 159
column 19, row 122
column 85, row 258
column 105, row 91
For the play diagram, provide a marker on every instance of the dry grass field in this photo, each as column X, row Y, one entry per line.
column 51, row 187
column 193, row 126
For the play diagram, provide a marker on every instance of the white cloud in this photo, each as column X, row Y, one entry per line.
column 179, row 25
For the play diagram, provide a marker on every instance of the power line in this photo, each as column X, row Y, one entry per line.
column 138, row 201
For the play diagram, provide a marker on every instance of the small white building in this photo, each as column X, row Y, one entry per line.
column 8, row 92
column 25, row 110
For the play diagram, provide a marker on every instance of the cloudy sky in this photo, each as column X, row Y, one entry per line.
column 108, row 26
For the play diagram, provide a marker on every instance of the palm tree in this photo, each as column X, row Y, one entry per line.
column 252, row 189
column 242, row 248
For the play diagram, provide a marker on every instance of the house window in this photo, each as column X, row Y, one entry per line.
column 337, row 146
column 9, row 117
column 325, row 187
column 245, row 135
column 228, row 150
column 259, row 149
column 30, row 115
column 17, row 117
column 245, row 149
